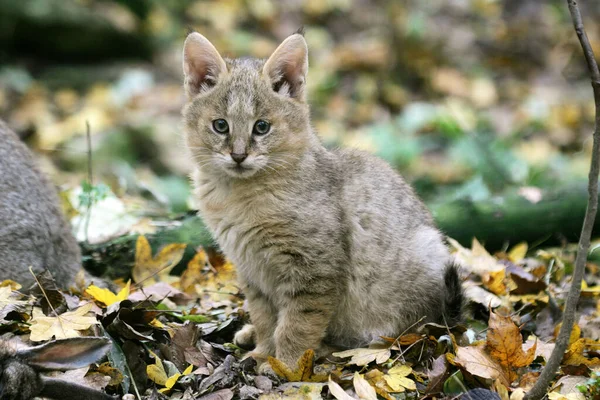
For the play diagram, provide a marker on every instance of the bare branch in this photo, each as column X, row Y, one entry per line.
column 541, row 386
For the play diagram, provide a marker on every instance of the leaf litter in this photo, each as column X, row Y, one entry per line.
column 177, row 340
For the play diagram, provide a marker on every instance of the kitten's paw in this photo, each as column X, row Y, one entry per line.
column 245, row 337
column 266, row 369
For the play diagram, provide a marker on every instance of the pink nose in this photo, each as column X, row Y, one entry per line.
column 239, row 157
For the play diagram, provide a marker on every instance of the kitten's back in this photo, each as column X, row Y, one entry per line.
column 33, row 231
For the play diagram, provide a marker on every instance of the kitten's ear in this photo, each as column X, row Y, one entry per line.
column 202, row 64
column 66, row 354
column 287, row 67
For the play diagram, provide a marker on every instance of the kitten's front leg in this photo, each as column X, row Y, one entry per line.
column 302, row 325
column 264, row 319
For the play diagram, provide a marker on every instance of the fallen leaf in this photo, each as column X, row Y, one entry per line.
column 147, row 269
column 476, row 361
column 337, row 391
column 494, row 281
column 505, row 345
column 397, row 379
column 66, row 325
column 362, row 388
column 362, row 357
column 518, row 252
column 303, row 371
column 106, row 296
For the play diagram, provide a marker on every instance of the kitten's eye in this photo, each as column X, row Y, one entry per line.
column 261, row 127
column 220, row 126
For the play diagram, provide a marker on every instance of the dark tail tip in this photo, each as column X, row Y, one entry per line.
column 454, row 299
column 301, row 31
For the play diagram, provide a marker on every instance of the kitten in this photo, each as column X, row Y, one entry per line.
column 33, row 230
column 333, row 248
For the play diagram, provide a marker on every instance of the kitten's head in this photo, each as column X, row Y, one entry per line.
column 245, row 115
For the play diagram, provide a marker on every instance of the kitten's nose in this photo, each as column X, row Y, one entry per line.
column 239, row 157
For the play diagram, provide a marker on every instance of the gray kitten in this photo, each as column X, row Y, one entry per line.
column 333, row 248
column 19, row 369
column 33, row 230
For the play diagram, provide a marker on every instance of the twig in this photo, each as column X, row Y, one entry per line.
column 541, row 386
column 88, row 212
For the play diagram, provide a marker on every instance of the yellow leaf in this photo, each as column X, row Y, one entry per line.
column 397, row 378
column 303, row 372
column 362, row 357
column 575, row 356
column 518, row 252
column 106, row 296
column 157, row 324
column 193, row 273
column 363, row 389
column 575, row 332
column 377, row 379
column 66, row 325
column 494, row 281
column 156, row 372
column 148, row 270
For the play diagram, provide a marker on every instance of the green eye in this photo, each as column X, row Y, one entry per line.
column 220, row 126
column 261, row 127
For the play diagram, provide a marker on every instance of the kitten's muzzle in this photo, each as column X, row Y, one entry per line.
column 239, row 157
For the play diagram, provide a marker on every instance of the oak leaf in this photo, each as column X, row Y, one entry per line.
column 147, row 269
column 66, row 325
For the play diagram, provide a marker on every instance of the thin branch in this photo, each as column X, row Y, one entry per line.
column 541, row 386
column 88, row 212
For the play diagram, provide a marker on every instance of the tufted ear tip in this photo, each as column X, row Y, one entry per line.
column 287, row 67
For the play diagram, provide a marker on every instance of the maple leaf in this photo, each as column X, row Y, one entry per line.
column 397, row 379
column 147, row 269
column 192, row 275
column 362, row 388
column 303, row 371
column 66, row 325
column 362, row 357
column 575, row 356
column 505, row 345
column 107, row 297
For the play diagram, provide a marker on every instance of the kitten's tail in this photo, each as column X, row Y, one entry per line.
column 454, row 297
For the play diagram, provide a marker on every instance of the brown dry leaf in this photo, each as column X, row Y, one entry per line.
column 476, row 361
column 303, row 371
column 147, row 269
column 362, row 357
column 66, row 325
column 505, row 344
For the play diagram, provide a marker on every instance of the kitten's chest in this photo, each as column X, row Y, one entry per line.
column 243, row 223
